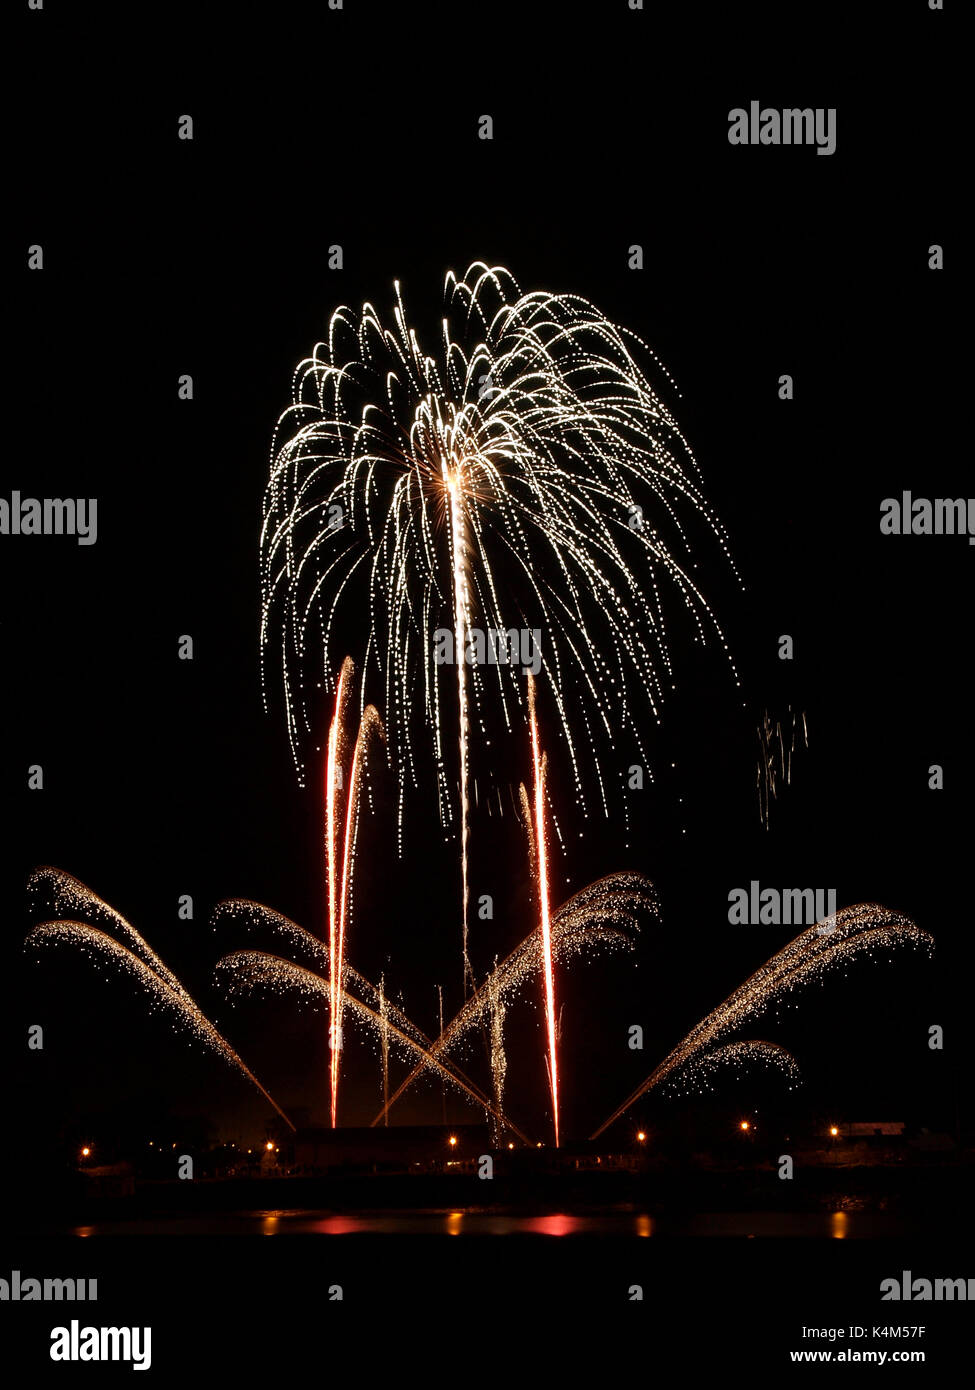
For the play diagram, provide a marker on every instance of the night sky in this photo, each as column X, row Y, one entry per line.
column 359, row 128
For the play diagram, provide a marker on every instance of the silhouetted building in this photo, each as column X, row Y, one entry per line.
column 398, row 1149
column 870, row 1129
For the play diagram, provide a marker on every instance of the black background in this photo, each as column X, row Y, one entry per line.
column 359, row 127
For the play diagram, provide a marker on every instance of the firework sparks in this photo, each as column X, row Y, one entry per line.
column 246, row 972
column 458, row 551
column 136, row 958
column 255, row 916
column 384, row 1040
column 545, row 926
column 260, row 965
column 333, row 858
column 499, row 1061
column 529, row 473
column 776, row 748
column 340, row 853
column 739, row 1057
column 837, row 939
column 443, row 1089
column 606, row 913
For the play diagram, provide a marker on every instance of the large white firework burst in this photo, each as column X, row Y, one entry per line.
column 527, row 476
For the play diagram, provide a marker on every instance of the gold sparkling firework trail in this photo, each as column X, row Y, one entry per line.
column 255, row 916
column 247, row 970
column 740, row 1056
column 384, row 1041
column 529, row 474
column 376, row 1002
column 136, row 958
column 499, row 1062
column 64, row 895
column 605, row 913
column 837, row 939
column 545, row 926
column 443, row 1089
column 776, row 749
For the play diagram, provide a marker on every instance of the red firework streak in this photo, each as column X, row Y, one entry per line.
column 539, row 768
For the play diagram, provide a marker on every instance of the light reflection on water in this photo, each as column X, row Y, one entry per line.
column 837, row 1225
column 558, row 1225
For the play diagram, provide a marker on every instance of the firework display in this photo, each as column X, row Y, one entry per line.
column 527, row 478
column 527, row 481
column 487, row 713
